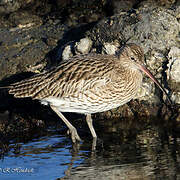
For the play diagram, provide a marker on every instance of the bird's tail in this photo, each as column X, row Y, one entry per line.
column 25, row 88
column 5, row 87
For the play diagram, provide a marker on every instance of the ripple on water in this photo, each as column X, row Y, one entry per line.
column 135, row 153
column 46, row 157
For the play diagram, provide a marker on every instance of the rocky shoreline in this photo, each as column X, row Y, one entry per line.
column 35, row 43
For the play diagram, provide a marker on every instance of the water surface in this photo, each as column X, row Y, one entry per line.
column 138, row 152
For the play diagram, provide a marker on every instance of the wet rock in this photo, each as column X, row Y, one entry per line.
column 159, row 3
column 83, row 46
column 155, row 62
column 166, row 3
column 178, row 118
column 77, row 12
column 149, row 92
column 70, row 12
column 4, row 116
column 9, row 6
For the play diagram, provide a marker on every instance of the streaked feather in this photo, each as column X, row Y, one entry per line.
column 86, row 83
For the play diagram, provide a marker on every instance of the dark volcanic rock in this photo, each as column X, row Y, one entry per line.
column 23, row 47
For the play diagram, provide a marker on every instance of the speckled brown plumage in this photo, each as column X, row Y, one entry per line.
column 87, row 84
column 66, row 79
column 99, row 78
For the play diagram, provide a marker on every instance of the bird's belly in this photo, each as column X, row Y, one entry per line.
column 84, row 107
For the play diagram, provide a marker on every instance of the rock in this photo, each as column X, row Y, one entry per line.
column 83, row 46
column 173, row 71
column 152, row 28
column 10, row 6
column 155, row 62
column 67, row 53
column 120, row 5
column 110, row 48
column 4, row 116
column 175, row 97
column 7, row 6
column 146, row 91
column 23, row 18
column 25, row 47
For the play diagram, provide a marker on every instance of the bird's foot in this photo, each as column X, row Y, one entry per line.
column 74, row 135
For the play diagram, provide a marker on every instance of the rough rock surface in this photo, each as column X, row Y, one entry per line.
column 173, row 72
column 83, row 46
column 23, row 47
column 8, row 6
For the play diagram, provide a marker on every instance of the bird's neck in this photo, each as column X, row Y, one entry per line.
column 129, row 76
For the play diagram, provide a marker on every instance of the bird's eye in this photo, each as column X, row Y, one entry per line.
column 132, row 58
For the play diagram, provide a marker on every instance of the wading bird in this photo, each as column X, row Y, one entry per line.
column 88, row 84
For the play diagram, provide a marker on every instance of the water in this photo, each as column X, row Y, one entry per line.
column 145, row 152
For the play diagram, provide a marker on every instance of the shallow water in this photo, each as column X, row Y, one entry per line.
column 151, row 152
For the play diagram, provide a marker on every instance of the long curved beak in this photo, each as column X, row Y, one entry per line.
column 149, row 74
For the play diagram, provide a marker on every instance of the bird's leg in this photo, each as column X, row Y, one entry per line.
column 90, row 125
column 74, row 135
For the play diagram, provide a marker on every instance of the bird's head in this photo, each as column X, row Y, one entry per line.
column 131, row 56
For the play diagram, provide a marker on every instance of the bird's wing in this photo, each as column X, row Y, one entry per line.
column 76, row 75
column 25, row 88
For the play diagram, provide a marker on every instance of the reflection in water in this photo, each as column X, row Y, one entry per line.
column 42, row 157
column 147, row 158
column 124, row 153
